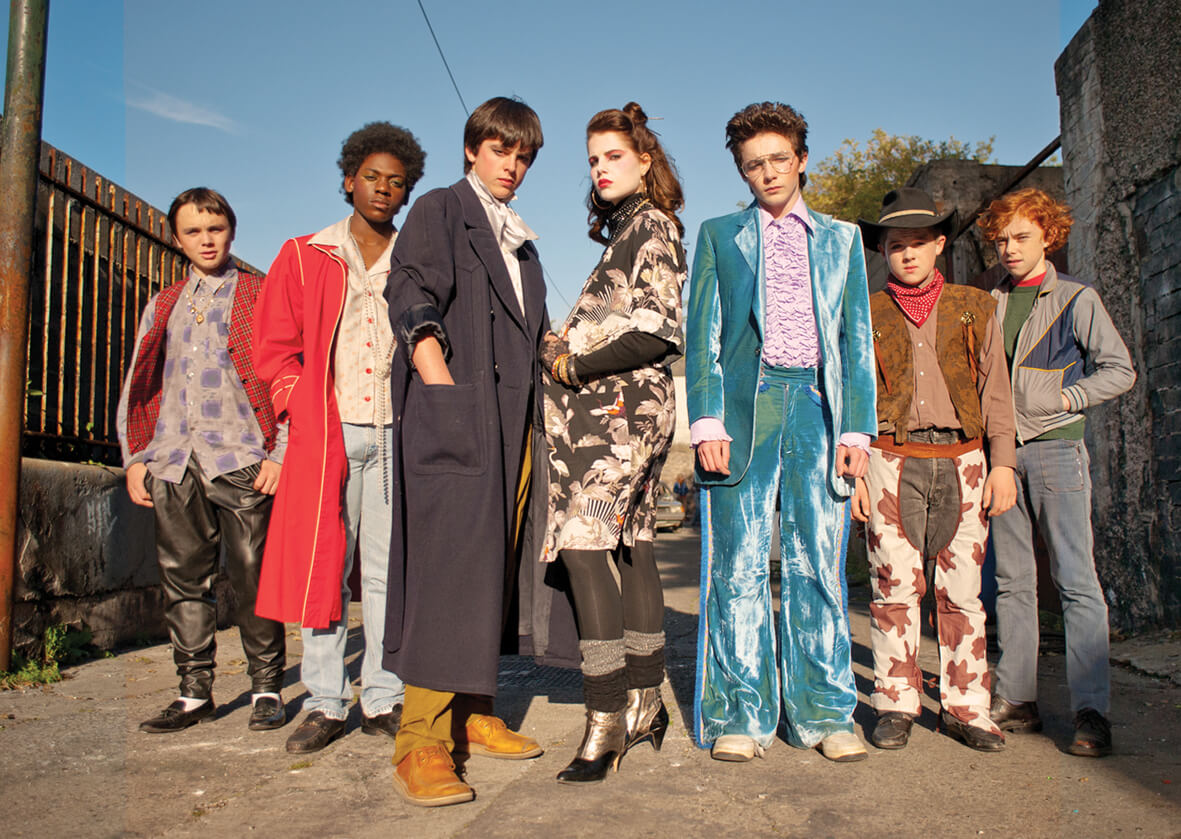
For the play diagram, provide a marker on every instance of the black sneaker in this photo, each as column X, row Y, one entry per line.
column 1092, row 734
column 176, row 718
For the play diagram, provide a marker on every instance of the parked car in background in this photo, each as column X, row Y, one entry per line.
column 670, row 513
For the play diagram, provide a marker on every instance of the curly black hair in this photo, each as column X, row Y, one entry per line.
column 375, row 138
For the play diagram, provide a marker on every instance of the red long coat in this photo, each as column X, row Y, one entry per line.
column 295, row 326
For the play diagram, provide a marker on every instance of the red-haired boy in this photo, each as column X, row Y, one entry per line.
column 1064, row 355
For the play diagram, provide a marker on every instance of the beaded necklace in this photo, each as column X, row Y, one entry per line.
column 622, row 214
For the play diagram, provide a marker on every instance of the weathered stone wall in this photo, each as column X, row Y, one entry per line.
column 1119, row 84
column 87, row 555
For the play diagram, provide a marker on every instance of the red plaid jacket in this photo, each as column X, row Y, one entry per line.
column 147, row 377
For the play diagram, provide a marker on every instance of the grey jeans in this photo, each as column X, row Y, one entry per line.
column 1054, row 492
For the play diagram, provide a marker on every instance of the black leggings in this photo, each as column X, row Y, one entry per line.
column 602, row 612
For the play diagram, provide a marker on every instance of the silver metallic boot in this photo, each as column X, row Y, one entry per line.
column 647, row 718
column 602, row 747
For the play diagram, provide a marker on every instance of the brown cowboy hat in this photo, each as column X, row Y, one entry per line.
column 906, row 208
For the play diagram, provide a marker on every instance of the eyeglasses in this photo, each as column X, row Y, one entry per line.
column 780, row 162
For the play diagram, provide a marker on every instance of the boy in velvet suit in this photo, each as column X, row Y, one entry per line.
column 781, row 396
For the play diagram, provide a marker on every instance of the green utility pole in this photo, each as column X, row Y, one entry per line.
column 20, row 151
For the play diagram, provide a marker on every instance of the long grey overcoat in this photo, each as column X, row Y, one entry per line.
column 465, row 587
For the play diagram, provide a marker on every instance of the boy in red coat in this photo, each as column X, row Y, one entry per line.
column 324, row 342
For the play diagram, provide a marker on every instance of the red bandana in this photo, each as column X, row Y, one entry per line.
column 916, row 302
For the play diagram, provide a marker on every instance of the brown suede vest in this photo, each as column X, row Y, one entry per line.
column 962, row 314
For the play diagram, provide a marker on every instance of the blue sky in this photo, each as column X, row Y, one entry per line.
column 254, row 98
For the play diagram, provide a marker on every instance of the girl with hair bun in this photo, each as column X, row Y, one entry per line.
column 609, row 419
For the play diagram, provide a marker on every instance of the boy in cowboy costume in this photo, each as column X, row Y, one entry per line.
column 943, row 389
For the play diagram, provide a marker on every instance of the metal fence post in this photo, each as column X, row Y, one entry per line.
column 20, row 149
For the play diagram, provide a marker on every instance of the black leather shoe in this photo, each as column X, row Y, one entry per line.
column 386, row 723
column 176, row 718
column 314, row 733
column 971, row 736
column 1092, row 734
column 892, row 730
column 1015, row 716
column 268, row 713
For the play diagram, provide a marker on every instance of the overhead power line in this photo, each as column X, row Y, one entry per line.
column 451, row 76
column 445, row 64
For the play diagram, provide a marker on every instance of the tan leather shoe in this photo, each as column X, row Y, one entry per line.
column 426, row 777
column 489, row 736
column 843, row 747
column 735, row 748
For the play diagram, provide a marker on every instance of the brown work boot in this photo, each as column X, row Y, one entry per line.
column 426, row 777
column 489, row 736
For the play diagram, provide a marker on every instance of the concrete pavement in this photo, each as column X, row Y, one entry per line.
column 73, row 764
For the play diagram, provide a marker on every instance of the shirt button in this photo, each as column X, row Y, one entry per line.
column 366, row 398
column 371, row 320
column 920, row 343
column 921, row 402
column 369, row 343
column 921, row 373
column 368, row 369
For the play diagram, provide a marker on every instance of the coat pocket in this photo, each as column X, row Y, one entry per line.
column 1038, row 393
column 443, row 430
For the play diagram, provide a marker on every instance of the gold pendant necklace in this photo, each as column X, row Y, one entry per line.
column 198, row 314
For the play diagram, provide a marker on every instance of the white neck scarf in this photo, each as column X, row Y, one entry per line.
column 509, row 228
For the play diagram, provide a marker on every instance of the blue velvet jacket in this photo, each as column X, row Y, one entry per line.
column 724, row 331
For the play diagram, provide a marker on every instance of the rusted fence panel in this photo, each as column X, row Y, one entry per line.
column 100, row 254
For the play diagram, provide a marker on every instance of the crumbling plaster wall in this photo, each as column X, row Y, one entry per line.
column 1119, row 85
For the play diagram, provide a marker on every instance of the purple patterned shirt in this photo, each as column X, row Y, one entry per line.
column 789, row 321
column 204, row 410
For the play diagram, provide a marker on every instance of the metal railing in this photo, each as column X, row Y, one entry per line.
column 100, row 254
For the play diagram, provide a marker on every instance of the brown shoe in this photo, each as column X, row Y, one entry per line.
column 1092, row 734
column 489, row 736
column 426, row 778
column 1015, row 716
column 315, row 732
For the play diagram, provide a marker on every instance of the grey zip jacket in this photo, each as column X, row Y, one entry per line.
column 1068, row 346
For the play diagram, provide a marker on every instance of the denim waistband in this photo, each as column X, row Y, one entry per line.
column 790, row 375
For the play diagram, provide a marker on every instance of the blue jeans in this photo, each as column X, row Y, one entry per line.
column 367, row 516
column 745, row 669
column 1054, row 491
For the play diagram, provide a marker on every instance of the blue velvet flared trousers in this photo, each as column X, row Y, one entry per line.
column 743, row 668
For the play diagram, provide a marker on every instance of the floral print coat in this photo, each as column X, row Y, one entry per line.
column 608, row 438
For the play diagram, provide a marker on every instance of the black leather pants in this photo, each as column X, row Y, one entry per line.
column 195, row 520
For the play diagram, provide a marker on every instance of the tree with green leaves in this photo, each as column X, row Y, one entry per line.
column 851, row 182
